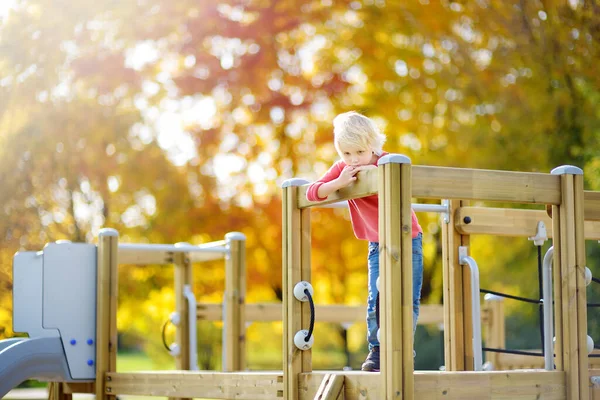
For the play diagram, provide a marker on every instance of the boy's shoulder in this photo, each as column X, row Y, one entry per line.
column 339, row 164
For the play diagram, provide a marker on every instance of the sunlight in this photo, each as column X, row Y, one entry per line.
column 6, row 6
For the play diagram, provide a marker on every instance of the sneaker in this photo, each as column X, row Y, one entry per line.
column 372, row 362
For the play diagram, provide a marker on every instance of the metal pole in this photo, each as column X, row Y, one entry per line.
column 464, row 259
column 548, row 316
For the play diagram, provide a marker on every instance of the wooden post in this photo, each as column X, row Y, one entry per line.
column 56, row 391
column 569, row 283
column 395, row 274
column 106, row 308
column 456, row 282
column 296, row 268
column 234, row 323
column 494, row 328
column 183, row 277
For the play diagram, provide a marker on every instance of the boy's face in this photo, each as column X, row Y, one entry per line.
column 356, row 156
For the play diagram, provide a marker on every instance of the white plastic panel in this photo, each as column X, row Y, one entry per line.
column 27, row 295
column 69, row 302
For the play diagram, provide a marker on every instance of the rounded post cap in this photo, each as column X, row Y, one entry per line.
column 294, row 182
column 394, row 159
column 492, row 297
column 235, row 236
column 567, row 169
column 108, row 232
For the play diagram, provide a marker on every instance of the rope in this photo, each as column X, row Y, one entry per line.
column 377, row 310
column 508, row 296
column 312, row 315
column 521, row 352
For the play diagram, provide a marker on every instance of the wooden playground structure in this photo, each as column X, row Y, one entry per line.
column 575, row 215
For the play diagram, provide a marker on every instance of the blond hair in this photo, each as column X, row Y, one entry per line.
column 354, row 129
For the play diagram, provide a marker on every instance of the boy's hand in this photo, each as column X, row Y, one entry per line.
column 347, row 176
column 365, row 167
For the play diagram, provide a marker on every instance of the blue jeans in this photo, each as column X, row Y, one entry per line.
column 417, row 276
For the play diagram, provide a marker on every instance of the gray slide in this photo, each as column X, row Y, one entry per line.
column 38, row 358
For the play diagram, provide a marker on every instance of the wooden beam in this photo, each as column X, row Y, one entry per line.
column 494, row 329
column 481, row 385
column 161, row 257
column 507, row 361
column 569, row 253
column 581, row 300
column 454, row 285
column 395, row 273
column 331, row 387
column 296, row 268
column 591, row 205
column 332, row 313
column 365, row 185
column 183, row 275
column 234, row 325
column 479, row 184
column 510, row 222
column 198, row 384
column 106, row 308
column 457, row 183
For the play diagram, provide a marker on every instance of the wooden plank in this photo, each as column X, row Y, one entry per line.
column 579, row 274
column 79, row 387
column 500, row 221
column 494, row 329
column 295, row 270
column 505, row 361
column 365, row 185
column 406, row 268
column 305, row 275
column 197, row 384
column 591, row 205
column 454, row 317
column 396, row 310
column 331, row 387
column 182, row 277
column 434, row 385
column 511, row 222
column 385, row 285
column 569, row 287
column 161, row 257
column 234, row 326
column 106, row 308
column 331, row 313
column 457, row 183
column 56, row 391
column 479, row 184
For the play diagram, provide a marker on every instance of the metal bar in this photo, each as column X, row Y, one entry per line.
column 179, row 248
column 464, row 259
column 193, row 350
column 417, row 207
column 548, row 317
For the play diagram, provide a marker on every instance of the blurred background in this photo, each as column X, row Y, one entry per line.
column 177, row 121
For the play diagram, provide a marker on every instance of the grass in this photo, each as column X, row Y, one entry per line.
column 130, row 362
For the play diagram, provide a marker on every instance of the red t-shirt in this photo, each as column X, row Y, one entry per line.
column 364, row 212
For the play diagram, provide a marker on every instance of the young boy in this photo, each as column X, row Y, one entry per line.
column 359, row 143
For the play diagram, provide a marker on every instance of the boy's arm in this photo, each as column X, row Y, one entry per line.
column 315, row 193
column 324, row 190
column 337, row 177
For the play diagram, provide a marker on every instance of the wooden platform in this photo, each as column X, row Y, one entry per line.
column 521, row 385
